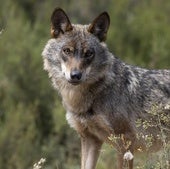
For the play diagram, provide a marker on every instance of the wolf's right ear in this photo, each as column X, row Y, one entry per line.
column 100, row 26
column 60, row 23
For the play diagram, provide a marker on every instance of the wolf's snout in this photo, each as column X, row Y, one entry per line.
column 75, row 75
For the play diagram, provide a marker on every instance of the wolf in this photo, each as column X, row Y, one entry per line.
column 106, row 100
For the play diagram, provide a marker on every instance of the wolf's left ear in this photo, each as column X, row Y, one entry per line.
column 60, row 23
column 100, row 26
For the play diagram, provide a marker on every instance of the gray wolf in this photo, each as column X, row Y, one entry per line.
column 104, row 97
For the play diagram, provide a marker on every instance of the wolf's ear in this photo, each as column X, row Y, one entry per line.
column 100, row 26
column 60, row 23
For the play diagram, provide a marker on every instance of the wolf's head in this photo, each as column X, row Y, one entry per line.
column 76, row 54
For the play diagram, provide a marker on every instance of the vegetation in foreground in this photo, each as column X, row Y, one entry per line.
column 32, row 121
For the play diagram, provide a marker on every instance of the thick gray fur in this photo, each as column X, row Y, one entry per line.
column 110, row 99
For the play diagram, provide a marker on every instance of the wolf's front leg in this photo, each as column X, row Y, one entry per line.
column 90, row 149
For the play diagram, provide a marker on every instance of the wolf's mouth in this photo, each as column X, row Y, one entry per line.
column 74, row 82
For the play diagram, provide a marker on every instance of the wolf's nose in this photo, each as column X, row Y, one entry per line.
column 75, row 75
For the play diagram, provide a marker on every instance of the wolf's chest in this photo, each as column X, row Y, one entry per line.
column 97, row 125
column 76, row 101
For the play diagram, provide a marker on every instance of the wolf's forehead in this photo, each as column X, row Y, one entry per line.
column 80, row 28
column 80, row 32
column 80, row 36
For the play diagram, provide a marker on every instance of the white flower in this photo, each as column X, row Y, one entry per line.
column 167, row 107
column 1, row 31
column 39, row 164
column 128, row 156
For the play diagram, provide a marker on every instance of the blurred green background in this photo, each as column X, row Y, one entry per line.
column 32, row 120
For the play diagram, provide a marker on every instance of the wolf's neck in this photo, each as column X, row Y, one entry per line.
column 76, row 99
column 80, row 98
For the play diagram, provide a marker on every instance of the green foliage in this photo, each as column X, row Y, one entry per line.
column 17, row 136
column 140, row 32
column 32, row 120
column 160, row 120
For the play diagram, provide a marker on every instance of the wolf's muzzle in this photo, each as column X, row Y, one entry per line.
column 75, row 77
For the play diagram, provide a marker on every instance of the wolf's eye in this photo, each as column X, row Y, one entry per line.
column 89, row 54
column 67, row 51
